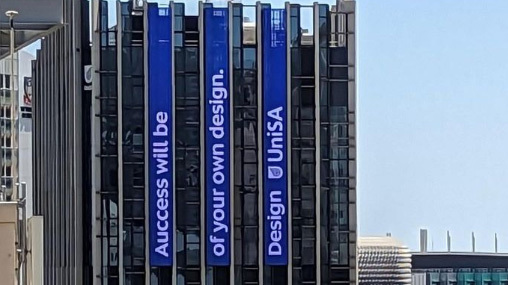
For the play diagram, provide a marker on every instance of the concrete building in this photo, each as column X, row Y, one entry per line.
column 383, row 260
column 145, row 176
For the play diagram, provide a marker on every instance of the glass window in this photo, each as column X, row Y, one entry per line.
column 179, row 9
column 296, row 62
column 237, row 31
column 192, row 214
column 250, row 209
column 308, row 63
column 180, row 59
column 237, row 60
column 178, row 40
column 308, row 97
column 338, row 56
column 7, row 81
column 250, row 246
column 338, row 96
column 192, row 251
column 178, row 23
column 192, row 86
column 295, row 31
column 339, row 73
column 191, row 59
column 249, row 58
column 308, row 254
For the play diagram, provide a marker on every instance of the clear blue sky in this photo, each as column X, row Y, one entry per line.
column 433, row 119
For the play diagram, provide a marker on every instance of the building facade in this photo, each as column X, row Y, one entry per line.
column 16, row 137
column 222, row 149
column 459, row 268
column 61, row 147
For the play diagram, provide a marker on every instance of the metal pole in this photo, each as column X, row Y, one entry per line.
column 23, row 236
column 11, row 14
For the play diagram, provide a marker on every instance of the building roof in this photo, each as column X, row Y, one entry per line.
column 427, row 260
column 34, row 19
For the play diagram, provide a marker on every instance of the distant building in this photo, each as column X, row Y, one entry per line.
column 459, row 268
column 16, row 169
column 383, row 260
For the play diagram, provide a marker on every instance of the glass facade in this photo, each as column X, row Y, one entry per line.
column 188, row 148
column 132, row 144
column 108, row 115
column 303, row 153
column 321, row 123
column 246, row 177
column 334, row 140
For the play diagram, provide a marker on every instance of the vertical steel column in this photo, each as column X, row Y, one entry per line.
column 14, row 113
column 146, row 142
column 232, row 145
column 76, row 249
column 317, row 131
column 287, row 6
column 173, row 135
column 202, row 239
column 96, row 145
column 259, row 45
column 349, row 7
column 121, row 274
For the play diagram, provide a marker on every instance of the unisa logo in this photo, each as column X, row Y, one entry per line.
column 275, row 172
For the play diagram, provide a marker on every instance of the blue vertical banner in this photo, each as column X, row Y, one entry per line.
column 217, row 137
column 275, row 192
column 160, row 135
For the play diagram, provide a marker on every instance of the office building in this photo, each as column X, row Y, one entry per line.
column 459, row 268
column 383, row 260
column 216, row 148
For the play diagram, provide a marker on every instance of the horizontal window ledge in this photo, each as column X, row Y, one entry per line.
column 107, row 192
column 106, row 98
column 106, row 116
column 106, row 155
column 112, row 72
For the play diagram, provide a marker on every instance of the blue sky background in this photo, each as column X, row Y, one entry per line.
column 432, row 119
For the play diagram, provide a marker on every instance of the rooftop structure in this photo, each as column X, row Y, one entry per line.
column 383, row 260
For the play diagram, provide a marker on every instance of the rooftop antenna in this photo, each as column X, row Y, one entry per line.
column 473, row 239
column 495, row 242
column 448, row 241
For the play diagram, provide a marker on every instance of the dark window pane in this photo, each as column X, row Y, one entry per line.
column 191, row 59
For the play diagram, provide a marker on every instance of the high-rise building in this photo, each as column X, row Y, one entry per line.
column 220, row 149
